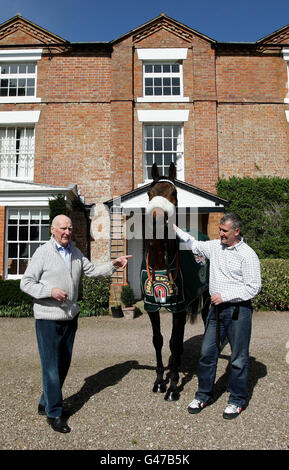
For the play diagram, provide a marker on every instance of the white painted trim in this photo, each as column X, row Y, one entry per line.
column 287, row 115
column 285, row 54
column 171, row 115
column 23, row 200
column 19, row 99
column 162, row 54
column 163, row 99
column 20, row 55
column 286, row 57
column 19, row 117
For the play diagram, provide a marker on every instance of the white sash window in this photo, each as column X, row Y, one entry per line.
column 163, row 144
column 27, row 229
column 18, row 75
column 17, row 147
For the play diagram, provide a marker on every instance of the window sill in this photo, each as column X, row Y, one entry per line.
column 162, row 99
column 19, row 99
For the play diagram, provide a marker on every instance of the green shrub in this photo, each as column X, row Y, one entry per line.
column 11, row 294
column 263, row 205
column 14, row 302
column 94, row 298
column 57, row 206
column 275, row 285
column 127, row 296
column 16, row 311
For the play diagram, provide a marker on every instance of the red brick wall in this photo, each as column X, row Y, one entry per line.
column 253, row 133
column 253, row 140
column 251, row 78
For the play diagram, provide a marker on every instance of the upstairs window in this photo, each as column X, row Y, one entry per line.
column 162, row 74
column 17, row 79
column 162, row 79
column 286, row 58
column 17, row 152
column 18, row 75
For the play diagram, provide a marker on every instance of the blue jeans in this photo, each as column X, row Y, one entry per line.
column 55, row 343
column 236, row 325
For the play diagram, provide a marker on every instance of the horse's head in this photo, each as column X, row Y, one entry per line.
column 160, row 211
column 162, row 193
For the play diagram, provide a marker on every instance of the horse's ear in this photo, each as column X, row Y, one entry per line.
column 155, row 171
column 172, row 171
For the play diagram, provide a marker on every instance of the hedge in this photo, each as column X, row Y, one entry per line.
column 275, row 285
column 263, row 205
column 94, row 298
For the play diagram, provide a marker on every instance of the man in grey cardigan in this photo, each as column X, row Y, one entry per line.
column 52, row 279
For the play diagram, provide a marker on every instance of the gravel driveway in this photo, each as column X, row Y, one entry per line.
column 109, row 390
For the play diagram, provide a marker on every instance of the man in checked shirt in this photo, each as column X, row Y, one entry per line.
column 234, row 280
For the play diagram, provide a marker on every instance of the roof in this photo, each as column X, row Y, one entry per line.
column 188, row 196
column 163, row 17
column 43, row 32
column 48, row 38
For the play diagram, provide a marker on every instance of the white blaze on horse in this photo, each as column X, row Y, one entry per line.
column 170, row 278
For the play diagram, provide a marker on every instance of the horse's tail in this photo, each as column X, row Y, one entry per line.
column 200, row 305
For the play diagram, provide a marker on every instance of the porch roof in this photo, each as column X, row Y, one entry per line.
column 23, row 193
column 188, row 196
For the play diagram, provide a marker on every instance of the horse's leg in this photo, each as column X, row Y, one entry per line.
column 159, row 385
column 176, row 347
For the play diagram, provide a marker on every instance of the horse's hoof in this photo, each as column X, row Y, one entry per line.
column 172, row 395
column 159, row 387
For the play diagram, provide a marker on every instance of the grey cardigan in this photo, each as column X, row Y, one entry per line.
column 47, row 269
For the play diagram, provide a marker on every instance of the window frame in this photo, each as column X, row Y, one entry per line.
column 21, row 57
column 145, row 152
column 28, row 241
column 162, row 56
column 162, row 75
column 30, row 155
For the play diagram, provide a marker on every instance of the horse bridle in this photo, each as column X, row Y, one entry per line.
column 166, row 255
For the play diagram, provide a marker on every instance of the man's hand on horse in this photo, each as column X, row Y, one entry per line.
column 121, row 262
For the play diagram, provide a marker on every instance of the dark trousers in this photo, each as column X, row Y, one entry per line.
column 55, row 343
column 235, row 324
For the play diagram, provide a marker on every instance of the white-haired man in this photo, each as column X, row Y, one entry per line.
column 52, row 279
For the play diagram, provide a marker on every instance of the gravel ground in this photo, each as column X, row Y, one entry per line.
column 109, row 390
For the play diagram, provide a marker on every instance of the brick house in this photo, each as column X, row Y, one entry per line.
column 87, row 120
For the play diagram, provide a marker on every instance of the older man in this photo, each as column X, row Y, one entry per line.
column 52, row 279
column 234, row 280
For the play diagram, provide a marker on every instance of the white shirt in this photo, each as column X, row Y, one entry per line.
column 234, row 270
column 64, row 252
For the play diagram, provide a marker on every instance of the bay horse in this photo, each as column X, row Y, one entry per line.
column 162, row 278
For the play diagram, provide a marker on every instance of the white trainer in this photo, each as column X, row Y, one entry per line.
column 196, row 406
column 232, row 411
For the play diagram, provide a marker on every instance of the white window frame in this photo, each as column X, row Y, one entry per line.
column 286, row 58
column 163, row 56
column 17, row 153
column 20, row 119
column 19, row 57
column 162, row 117
column 178, row 152
column 29, row 242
